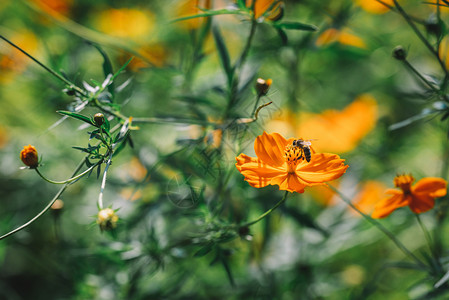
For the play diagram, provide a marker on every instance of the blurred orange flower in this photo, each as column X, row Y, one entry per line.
column 419, row 197
column 279, row 163
column 368, row 195
column 12, row 61
column 190, row 8
column 262, row 6
column 344, row 37
column 55, row 7
column 126, row 23
column 340, row 131
column 29, row 156
column 374, row 6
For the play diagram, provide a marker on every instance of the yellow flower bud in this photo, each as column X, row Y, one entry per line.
column 107, row 219
column 29, row 156
column 262, row 86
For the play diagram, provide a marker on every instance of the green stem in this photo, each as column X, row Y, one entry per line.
column 427, row 235
column 421, row 77
column 67, row 82
column 267, row 212
column 388, row 233
column 61, row 190
column 68, row 180
column 103, row 182
column 420, row 36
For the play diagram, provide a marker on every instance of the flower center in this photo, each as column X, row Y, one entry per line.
column 293, row 156
column 404, row 182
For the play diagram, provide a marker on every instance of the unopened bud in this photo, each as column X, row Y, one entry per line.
column 399, row 53
column 107, row 219
column 99, row 119
column 262, row 86
column 29, row 156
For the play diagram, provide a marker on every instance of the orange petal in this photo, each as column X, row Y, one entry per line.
column 256, row 172
column 432, row 186
column 386, row 206
column 421, row 203
column 270, row 148
column 321, row 168
column 289, row 182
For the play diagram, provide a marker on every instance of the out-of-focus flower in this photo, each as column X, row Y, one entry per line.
column 190, row 8
column 29, row 156
column 340, row 131
column 274, row 9
column 419, row 197
column 343, row 37
column 279, row 163
column 369, row 194
column 12, row 61
column 55, row 7
column 374, row 6
column 57, row 205
column 107, row 219
column 4, row 137
column 126, row 23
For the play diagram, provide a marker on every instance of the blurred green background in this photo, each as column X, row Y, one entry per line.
column 177, row 186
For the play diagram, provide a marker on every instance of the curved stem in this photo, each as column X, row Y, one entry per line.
column 267, row 212
column 61, row 190
column 384, row 230
column 68, row 180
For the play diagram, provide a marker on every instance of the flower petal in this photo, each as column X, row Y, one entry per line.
column 270, row 148
column 432, row 186
column 289, row 182
column 421, row 203
column 257, row 173
column 386, row 206
column 321, row 168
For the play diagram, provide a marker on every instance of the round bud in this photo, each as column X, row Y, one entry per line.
column 99, row 119
column 262, row 86
column 29, row 156
column 399, row 53
column 107, row 219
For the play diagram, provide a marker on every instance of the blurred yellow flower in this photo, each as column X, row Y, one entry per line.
column 107, row 219
column 343, row 37
column 126, row 23
column 374, row 6
column 340, row 131
column 261, row 7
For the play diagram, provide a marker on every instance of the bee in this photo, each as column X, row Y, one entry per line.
column 305, row 146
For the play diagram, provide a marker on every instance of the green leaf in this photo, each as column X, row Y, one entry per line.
column 223, row 53
column 107, row 69
column 76, row 116
column 204, row 250
column 423, row 114
column 295, row 26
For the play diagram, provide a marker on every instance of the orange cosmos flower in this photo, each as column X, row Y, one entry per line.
column 374, row 6
column 29, row 156
column 344, row 37
column 419, row 197
column 279, row 163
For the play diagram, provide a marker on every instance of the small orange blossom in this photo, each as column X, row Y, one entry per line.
column 419, row 197
column 278, row 163
column 29, row 156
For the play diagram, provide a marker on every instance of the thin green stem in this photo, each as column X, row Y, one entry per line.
column 54, row 73
column 267, row 212
column 418, row 33
column 68, row 180
column 426, row 234
column 255, row 105
column 384, row 230
column 420, row 76
column 58, row 194
column 103, row 182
